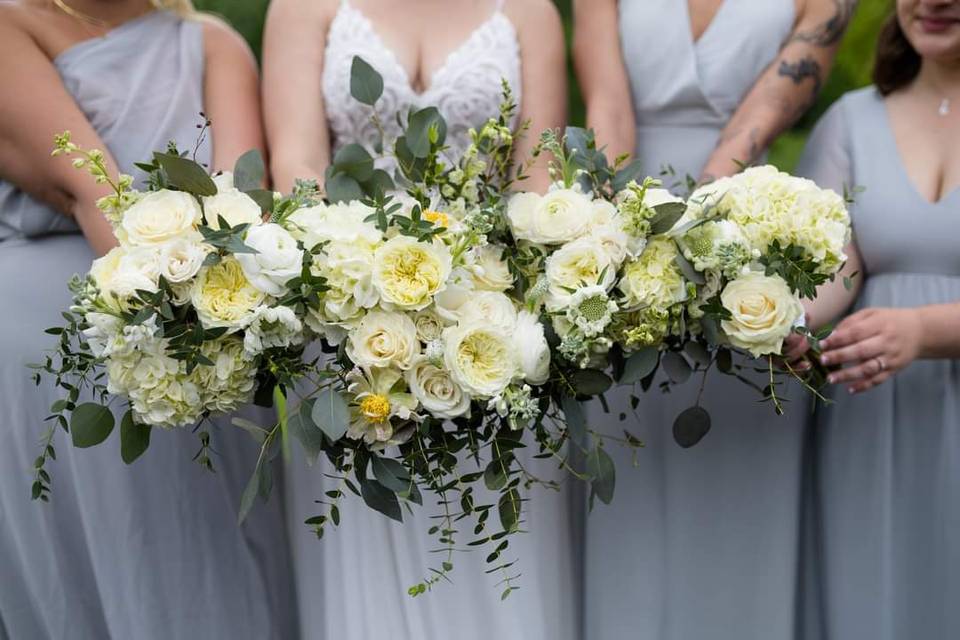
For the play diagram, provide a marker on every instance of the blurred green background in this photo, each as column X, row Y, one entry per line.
column 852, row 69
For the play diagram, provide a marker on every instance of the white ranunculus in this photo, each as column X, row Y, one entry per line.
column 384, row 339
column 559, row 216
column 341, row 222
column 530, row 345
column 436, row 390
column 181, row 259
column 232, row 205
column 480, row 358
column 763, row 311
column 490, row 307
column 123, row 271
column 581, row 263
column 160, row 216
column 490, row 271
column 278, row 259
column 408, row 273
column 224, row 181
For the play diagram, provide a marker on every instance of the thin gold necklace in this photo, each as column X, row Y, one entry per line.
column 79, row 15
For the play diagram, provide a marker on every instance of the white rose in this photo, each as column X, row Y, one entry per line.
column 181, row 259
column 278, row 259
column 160, row 216
column 489, row 307
column 123, row 271
column 383, row 339
column 429, row 325
column 559, row 216
column 480, row 358
column 530, row 345
column 436, row 390
column 232, row 205
column 581, row 263
column 490, row 271
column 763, row 311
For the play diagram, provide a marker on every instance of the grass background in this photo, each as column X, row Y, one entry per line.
column 852, row 69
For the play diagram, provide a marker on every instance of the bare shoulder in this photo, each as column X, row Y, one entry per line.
column 312, row 12
column 22, row 25
column 533, row 14
column 220, row 40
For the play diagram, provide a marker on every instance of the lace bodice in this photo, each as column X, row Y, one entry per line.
column 466, row 88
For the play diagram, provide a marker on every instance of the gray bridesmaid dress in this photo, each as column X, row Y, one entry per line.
column 702, row 542
column 153, row 550
column 886, row 500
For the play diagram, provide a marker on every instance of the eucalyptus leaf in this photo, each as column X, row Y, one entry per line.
column 342, row 188
column 495, row 476
column 576, row 422
column 633, row 171
column 250, row 493
column 591, row 382
column 134, row 438
column 354, row 161
column 249, row 171
column 418, row 131
column 687, row 269
column 698, row 353
column 380, row 498
column 390, row 473
column 379, row 183
column 366, row 84
column 509, row 509
column 302, row 428
column 263, row 197
column 691, row 426
column 640, row 365
column 186, row 175
column 603, row 474
column 666, row 216
column 90, row 424
column 331, row 414
column 676, row 366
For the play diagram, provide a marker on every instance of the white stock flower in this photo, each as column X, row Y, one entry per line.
column 531, row 348
column 158, row 217
column 232, row 205
column 581, row 263
column 480, row 358
column 278, row 258
column 436, row 390
column 560, row 216
column 763, row 311
column 408, row 273
column 383, row 339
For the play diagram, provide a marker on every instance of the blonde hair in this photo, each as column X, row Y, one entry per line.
column 180, row 7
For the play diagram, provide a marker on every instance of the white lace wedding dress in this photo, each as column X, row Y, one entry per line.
column 352, row 585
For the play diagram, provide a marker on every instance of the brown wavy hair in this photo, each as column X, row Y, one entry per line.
column 897, row 63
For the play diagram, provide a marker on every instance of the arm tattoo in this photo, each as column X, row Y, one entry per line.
column 828, row 33
column 799, row 72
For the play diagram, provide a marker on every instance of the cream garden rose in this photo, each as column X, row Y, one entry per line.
column 223, row 297
column 384, row 339
column 232, row 205
column 480, row 358
column 408, row 273
column 492, row 307
column 763, row 312
column 278, row 258
column 436, row 390
column 490, row 271
column 160, row 216
column 581, row 263
column 559, row 216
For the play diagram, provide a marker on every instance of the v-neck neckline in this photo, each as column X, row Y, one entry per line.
column 904, row 172
column 718, row 14
column 447, row 61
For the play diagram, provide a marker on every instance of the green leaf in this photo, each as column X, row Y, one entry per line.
column 90, row 424
column 342, row 188
column 633, row 171
column 687, row 269
column 495, row 475
column 576, row 423
column 413, row 168
column 379, row 183
column 390, row 473
column 698, row 353
column 249, row 171
column 366, row 85
column 509, row 508
column 667, row 215
column 381, row 499
column 640, row 365
column 250, row 492
column 690, row 426
column 302, row 428
column 354, row 161
column 418, row 131
column 676, row 366
column 591, row 382
column 134, row 438
column 186, row 175
column 603, row 474
column 331, row 414
column 263, row 197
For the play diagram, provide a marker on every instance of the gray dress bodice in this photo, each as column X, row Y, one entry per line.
column 140, row 87
column 884, row 507
column 685, row 92
column 151, row 550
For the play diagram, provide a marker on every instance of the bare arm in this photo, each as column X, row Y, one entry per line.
column 294, row 41
column 602, row 74
column 231, row 94
column 30, row 118
column 786, row 89
column 544, row 93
